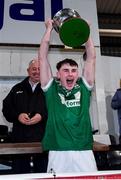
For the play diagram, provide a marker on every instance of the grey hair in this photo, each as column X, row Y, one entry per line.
column 32, row 61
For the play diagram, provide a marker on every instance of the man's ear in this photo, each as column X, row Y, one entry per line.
column 28, row 70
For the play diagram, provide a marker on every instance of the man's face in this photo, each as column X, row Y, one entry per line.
column 68, row 76
column 34, row 71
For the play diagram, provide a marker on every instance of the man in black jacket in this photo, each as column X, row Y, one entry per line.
column 25, row 107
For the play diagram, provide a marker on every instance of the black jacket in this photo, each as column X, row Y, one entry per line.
column 21, row 99
column 116, row 105
column 116, row 100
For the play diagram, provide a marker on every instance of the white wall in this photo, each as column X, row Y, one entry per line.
column 13, row 69
column 14, row 63
column 111, row 67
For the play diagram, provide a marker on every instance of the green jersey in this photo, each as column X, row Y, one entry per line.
column 68, row 125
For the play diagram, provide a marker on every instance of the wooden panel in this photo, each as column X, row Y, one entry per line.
column 100, row 147
column 36, row 147
column 20, row 148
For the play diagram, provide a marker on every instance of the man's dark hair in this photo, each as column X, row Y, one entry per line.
column 71, row 62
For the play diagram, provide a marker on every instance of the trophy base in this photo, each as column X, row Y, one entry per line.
column 74, row 32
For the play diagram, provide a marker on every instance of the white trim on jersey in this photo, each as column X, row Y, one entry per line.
column 86, row 83
column 45, row 88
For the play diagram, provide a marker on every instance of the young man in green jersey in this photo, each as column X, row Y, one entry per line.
column 68, row 136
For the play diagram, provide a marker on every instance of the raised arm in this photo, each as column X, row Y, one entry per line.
column 89, row 65
column 45, row 70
